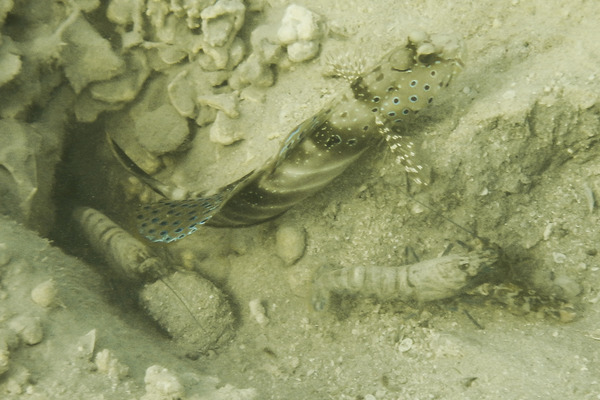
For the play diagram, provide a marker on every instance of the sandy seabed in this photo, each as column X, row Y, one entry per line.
column 513, row 152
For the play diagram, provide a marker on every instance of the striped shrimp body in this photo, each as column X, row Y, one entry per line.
column 190, row 308
column 129, row 257
column 429, row 280
column 378, row 107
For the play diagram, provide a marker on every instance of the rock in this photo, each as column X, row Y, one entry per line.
column 18, row 172
column 224, row 130
column 204, row 321
column 252, row 71
column 226, row 102
column 222, row 21
column 126, row 87
column 29, row 329
column 182, row 94
column 161, row 130
column 88, row 57
column 217, row 59
column 265, row 44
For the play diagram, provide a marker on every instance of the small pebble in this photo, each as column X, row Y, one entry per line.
column 29, row 329
column 290, row 242
column 257, row 311
column 548, row 230
column 559, row 258
column 4, row 357
column 405, row 345
column 509, row 95
column 568, row 287
column 567, row 314
column 4, row 254
column 300, row 278
column 85, row 345
column 45, row 293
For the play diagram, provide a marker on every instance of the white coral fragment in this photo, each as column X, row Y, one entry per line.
column 226, row 102
column 162, row 384
column 108, row 364
column 299, row 23
column 224, row 130
column 222, row 21
column 301, row 31
column 10, row 63
column 89, row 57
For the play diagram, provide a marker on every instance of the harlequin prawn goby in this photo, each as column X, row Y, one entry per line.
column 378, row 107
